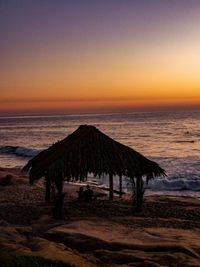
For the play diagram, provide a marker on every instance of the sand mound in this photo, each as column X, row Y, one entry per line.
column 10, row 177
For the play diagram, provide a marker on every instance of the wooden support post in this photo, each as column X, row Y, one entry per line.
column 138, row 194
column 111, row 186
column 120, row 186
column 58, row 205
column 48, row 188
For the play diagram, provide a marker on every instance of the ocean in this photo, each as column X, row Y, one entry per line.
column 171, row 138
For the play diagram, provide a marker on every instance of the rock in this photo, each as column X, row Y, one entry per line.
column 6, row 180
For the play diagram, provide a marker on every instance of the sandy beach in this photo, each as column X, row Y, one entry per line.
column 101, row 233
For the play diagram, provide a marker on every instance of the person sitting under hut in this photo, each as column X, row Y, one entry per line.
column 88, row 194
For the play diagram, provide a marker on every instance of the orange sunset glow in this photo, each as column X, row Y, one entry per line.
column 137, row 57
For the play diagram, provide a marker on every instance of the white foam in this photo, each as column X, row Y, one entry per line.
column 176, row 184
column 26, row 152
column 19, row 151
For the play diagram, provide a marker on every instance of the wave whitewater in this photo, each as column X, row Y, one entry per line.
column 175, row 184
column 19, row 151
column 171, row 183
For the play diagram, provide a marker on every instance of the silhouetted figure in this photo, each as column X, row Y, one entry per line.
column 80, row 194
column 88, row 194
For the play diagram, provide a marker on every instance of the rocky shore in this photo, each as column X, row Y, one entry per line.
column 101, row 233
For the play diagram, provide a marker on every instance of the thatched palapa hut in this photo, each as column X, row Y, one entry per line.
column 88, row 150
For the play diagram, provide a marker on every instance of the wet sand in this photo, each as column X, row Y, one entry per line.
column 101, row 233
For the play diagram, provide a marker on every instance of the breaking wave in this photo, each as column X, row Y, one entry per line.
column 175, row 184
column 184, row 175
column 19, row 151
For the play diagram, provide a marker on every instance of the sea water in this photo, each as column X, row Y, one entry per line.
column 172, row 139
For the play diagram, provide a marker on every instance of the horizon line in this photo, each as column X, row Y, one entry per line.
column 54, row 113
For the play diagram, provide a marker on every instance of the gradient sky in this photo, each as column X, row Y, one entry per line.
column 89, row 55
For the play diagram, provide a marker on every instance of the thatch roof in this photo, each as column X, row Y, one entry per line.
column 88, row 150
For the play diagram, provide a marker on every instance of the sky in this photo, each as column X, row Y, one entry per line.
column 98, row 55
